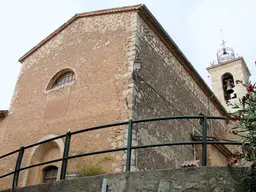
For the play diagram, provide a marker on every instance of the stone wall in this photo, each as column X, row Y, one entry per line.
column 3, row 122
column 100, row 50
column 164, row 88
column 203, row 179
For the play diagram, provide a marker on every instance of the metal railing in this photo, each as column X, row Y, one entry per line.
column 128, row 147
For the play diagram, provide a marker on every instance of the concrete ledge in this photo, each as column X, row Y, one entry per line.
column 196, row 179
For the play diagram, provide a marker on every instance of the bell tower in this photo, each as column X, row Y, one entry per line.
column 226, row 76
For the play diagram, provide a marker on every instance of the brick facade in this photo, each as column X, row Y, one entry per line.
column 98, row 49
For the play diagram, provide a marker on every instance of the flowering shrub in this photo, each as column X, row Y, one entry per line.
column 236, row 157
column 245, row 126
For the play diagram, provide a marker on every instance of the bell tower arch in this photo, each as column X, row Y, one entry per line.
column 226, row 76
column 228, row 86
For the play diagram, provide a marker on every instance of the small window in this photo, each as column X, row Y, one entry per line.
column 50, row 174
column 68, row 77
column 63, row 77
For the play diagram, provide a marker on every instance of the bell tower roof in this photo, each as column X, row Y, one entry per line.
column 229, row 62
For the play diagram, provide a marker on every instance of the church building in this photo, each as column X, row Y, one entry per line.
column 110, row 66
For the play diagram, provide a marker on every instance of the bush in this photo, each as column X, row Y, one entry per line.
column 245, row 127
column 92, row 170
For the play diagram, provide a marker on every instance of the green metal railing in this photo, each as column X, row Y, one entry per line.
column 128, row 149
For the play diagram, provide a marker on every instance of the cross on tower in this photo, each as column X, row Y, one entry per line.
column 223, row 42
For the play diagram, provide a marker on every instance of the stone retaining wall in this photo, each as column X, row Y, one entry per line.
column 216, row 179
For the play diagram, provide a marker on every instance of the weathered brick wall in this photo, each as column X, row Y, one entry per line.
column 99, row 49
column 164, row 88
column 2, row 129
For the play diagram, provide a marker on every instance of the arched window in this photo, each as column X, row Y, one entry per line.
column 50, row 174
column 63, row 77
column 68, row 77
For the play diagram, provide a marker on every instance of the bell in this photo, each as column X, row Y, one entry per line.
column 229, row 89
column 224, row 51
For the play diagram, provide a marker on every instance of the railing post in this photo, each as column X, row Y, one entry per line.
column 17, row 168
column 204, row 145
column 129, row 145
column 65, row 156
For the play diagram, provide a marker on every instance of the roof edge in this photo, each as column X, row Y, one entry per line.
column 76, row 16
column 149, row 18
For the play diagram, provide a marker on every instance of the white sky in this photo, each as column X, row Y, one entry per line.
column 193, row 24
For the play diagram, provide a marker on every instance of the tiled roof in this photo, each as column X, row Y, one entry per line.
column 194, row 163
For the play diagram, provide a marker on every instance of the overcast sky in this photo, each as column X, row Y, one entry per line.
column 193, row 24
